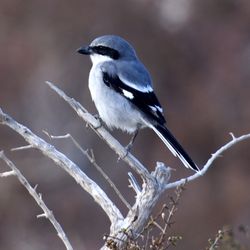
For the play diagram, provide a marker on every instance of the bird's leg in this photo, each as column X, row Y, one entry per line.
column 129, row 146
column 97, row 117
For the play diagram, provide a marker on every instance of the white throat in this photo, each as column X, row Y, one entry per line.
column 96, row 58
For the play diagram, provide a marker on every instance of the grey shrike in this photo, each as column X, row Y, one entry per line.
column 121, row 89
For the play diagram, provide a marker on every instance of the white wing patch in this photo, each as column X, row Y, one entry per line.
column 153, row 108
column 145, row 89
column 156, row 108
column 128, row 94
column 159, row 108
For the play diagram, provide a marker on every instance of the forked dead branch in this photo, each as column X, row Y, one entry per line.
column 154, row 184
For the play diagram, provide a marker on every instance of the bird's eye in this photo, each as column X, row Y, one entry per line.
column 100, row 50
column 106, row 51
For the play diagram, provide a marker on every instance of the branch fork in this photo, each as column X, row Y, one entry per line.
column 146, row 195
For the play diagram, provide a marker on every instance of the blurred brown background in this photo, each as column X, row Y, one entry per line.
column 198, row 53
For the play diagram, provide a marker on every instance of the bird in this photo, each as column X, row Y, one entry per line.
column 122, row 91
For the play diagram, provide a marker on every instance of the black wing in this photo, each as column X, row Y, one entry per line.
column 147, row 102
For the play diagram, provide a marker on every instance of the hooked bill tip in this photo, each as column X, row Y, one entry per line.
column 84, row 50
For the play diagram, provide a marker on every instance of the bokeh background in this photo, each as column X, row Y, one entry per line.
column 198, row 53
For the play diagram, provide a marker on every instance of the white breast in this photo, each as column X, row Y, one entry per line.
column 114, row 109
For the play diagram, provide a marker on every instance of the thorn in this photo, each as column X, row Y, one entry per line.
column 41, row 215
column 232, row 135
column 22, row 148
column 92, row 155
column 46, row 133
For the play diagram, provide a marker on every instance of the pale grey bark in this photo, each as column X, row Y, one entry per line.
column 147, row 195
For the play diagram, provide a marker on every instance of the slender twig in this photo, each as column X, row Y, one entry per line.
column 134, row 184
column 210, row 161
column 92, row 160
column 215, row 243
column 158, row 226
column 171, row 212
column 22, row 148
column 38, row 198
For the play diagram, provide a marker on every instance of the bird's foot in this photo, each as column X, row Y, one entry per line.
column 129, row 147
column 121, row 157
column 97, row 117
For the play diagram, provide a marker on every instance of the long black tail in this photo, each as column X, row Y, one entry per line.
column 174, row 146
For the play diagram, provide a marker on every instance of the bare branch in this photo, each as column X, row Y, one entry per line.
column 147, row 195
column 65, row 163
column 210, row 161
column 47, row 213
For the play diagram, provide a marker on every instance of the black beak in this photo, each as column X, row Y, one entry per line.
column 84, row 50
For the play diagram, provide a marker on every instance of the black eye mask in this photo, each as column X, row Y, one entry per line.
column 106, row 51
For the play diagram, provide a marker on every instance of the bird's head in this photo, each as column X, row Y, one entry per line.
column 108, row 47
